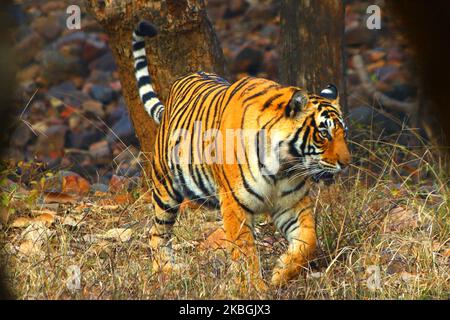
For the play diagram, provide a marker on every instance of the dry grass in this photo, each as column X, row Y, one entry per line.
column 389, row 213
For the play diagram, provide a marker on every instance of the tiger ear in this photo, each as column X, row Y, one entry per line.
column 298, row 102
column 330, row 92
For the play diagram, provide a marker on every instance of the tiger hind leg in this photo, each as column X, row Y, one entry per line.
column 166, row 211
column 298, row 226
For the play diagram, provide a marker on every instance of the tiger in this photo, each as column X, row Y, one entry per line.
column 304, row 142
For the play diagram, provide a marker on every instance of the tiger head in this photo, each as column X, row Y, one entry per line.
column 316, row 145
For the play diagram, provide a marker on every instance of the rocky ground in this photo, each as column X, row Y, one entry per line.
column 70, row 111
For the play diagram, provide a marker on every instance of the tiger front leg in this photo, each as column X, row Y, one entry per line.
column 298, row 226
column 238, row 225
column 161, row 233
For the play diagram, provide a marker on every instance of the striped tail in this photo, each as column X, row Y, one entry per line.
column 152, row 105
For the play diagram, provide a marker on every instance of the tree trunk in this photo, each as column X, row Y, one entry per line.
column 186, row 43
column 312, row 35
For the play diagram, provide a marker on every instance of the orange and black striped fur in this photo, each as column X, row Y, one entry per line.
column 303, row 133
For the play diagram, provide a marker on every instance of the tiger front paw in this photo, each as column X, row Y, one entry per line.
column 284, row 272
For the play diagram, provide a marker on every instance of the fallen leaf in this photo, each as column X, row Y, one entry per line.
column 119, row 234
column 119, row 184
column 57, row 197
column 75, row 184
column 375, row 65
column 37, row 231
column 123, row 198
column 43, row 211
column 90, row 238
column 408, row 277
column 72, row 221
column 21, row 222
column 46, row 218
column 28, row 248
column 109, row 207
column 316, row 275
column 100, row 194
column 401, row 218
column 396, row 265
column 216, row 240
column 34, row 237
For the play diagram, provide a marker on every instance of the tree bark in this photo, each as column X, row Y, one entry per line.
column 312, row 35
column 186, row 43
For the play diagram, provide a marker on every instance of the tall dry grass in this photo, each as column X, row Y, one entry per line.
column 383, row 229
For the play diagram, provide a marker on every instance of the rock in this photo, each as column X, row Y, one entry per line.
column 100, row 152
column 262, row 11
column 61, row 90
column 116, row 86
column 394, row 54
column 93, row 48
column 368, row 116
column 78, row 82
column 29, row 73
column 128, row 155
column 358, row 34
column 119, row 184
column 49, row 27
column 68, row 93
column 78, row 38
column 51, row 143
column 371, row 67
column 401, row 218
column 73, row 183
column 83, row 139
column 384, row 73
column 26, row 50
column 20, row 136
column 106, row 177
column 248, row 60
column 127, row 170
column 270, row 31
column 124, row 130
column 102, row 93
column 235, row 8
column 80, row 163
column 99, row 187
column 375, row 55
column 115, row 112
column 53, row 6
column 34, row 237
column 397, row 265
column 15, row 10
column 402, row 92
column 118, row 234
column 74, row 121
column 58, row 66
column 98, row 77
column 94, row 107
column 271, row 64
